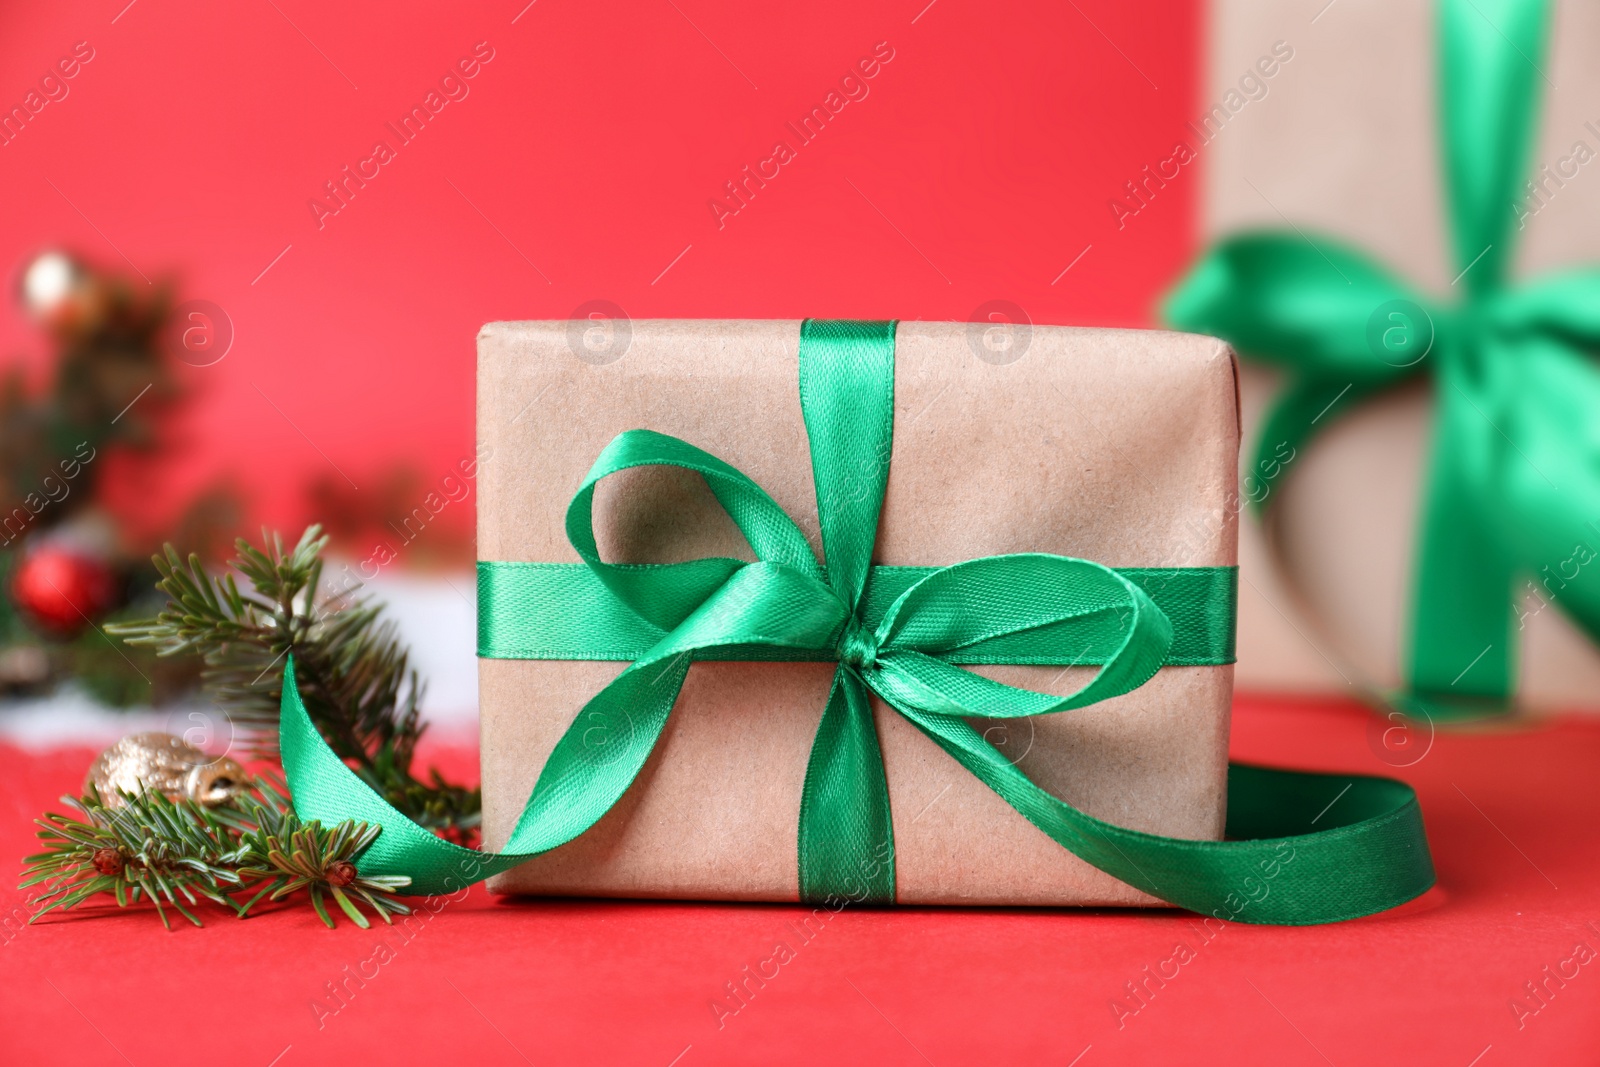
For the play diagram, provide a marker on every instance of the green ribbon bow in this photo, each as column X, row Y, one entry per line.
column 898, row 632
column 1513, row 482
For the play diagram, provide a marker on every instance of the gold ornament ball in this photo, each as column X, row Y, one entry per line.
column 162, row 763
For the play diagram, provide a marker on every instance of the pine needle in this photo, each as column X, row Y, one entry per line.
column 178, row 853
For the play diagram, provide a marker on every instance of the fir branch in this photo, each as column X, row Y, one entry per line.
column 145, row 850
column 281, row 855
column 176, row 853
column 353, row 672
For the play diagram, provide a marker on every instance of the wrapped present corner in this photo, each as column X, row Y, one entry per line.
column 875, row 612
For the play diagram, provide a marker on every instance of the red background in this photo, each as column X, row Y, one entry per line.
column 982, row 160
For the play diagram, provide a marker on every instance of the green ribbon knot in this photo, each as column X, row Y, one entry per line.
column 857, row 648
column 899, row 633
column 1513, row 474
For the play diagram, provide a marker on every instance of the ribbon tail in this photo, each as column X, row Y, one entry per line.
column 846, row 832
column 592, row 765
column 1365, row 851
column 325, row 789
column 1461, row 662
column 1372, row 855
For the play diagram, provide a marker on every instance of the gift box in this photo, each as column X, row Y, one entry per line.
column 1110, row 445
column 803, row 716
column 1332, row 126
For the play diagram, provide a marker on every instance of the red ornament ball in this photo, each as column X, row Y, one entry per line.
column 62, row 592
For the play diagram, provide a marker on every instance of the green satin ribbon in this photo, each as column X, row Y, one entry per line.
column 516, row 619
column 899, row 633
column 1513, row 482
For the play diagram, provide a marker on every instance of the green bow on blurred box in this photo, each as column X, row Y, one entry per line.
column 1513, row 471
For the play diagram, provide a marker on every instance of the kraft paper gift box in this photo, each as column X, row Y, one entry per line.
column 1115, row 446
column 1341, row 139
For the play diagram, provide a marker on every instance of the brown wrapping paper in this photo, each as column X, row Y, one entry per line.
column 1344, row 143
column 1116, row 446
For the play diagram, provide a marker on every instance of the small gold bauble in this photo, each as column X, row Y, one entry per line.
column 165, row 764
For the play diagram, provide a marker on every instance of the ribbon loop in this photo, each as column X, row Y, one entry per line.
column 659, row 595
column 1311, row 304
column 967, row 604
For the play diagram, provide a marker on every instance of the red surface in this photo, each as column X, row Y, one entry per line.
column 1511, row 817
column 578, row 167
